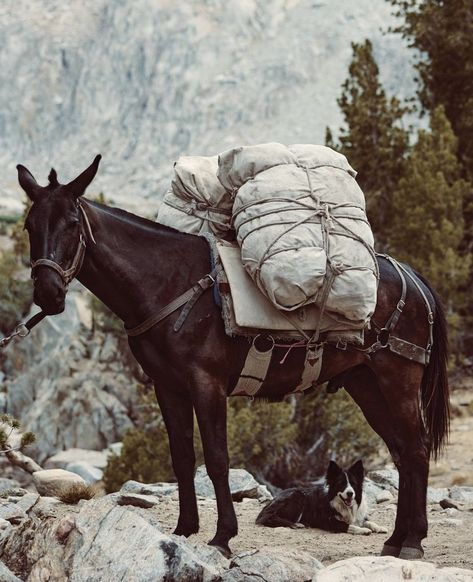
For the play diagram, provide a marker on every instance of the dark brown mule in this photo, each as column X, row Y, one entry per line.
column 136, row 267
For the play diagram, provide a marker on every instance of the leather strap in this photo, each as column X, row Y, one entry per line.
column 66, row 274
column 190, row 298
column 394, row 344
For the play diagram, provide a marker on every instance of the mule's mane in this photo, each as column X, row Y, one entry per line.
column 136, row 221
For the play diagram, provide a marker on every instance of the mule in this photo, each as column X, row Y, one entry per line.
column 136, row 267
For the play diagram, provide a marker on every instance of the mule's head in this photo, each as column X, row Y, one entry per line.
column 54, row 225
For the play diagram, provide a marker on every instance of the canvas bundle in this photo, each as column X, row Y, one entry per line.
column 300, row 220
column 197, row 202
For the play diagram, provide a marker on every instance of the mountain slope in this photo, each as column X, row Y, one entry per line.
column 144, row 81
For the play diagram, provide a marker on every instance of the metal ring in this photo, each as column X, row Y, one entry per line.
column 22, row 330
column 265, row 337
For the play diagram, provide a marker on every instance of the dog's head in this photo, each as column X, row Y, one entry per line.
column 346, row 486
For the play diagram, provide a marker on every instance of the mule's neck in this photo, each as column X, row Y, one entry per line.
column 136, row 266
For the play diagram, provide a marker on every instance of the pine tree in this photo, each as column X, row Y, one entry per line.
column 428, row 223
column 373, row 140
column 443, row 34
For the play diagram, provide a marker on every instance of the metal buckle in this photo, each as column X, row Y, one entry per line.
column 341, row 345
column 400, row 305
column 383, row 337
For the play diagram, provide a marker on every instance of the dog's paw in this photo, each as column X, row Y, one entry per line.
column 374, row 527
column 359, row 531
column 298, row 525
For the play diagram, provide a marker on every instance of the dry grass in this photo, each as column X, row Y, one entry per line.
column 74, row 492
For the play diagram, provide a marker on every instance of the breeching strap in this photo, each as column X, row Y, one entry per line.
column 188, row 299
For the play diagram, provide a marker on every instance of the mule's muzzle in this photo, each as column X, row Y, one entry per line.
column 49, row 291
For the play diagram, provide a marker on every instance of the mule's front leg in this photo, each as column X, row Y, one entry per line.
column 178, row 416
column 211, row 411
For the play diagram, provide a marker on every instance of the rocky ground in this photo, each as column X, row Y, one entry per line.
column 128, row 536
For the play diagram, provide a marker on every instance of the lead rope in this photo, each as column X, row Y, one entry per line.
column 22, row 329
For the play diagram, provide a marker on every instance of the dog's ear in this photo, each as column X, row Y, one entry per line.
column 358, row 471
column 333, row 471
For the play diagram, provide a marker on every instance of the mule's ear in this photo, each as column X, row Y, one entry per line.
column 357, row 470
column 78, row 186
column 28, row 182
column 333, row 471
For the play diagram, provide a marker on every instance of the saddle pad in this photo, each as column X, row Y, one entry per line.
column 252, row 312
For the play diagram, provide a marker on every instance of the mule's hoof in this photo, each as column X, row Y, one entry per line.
column 390, row 551
column 408, row 553
column 185, row 531
column 224, row 550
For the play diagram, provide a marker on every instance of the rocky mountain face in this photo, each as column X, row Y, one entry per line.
column 68, row 385
column 145, row 81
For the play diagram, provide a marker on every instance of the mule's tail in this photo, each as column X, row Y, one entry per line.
column 435, row 391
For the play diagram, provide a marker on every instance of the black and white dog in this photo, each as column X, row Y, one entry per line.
column 336, row 505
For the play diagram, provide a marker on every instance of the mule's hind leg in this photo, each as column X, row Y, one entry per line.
column 178, row 416
column 362, row 385
column 402, row 392
column 211, row 410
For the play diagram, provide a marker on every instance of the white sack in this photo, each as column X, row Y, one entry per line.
column 275, row 188
column 197, row 201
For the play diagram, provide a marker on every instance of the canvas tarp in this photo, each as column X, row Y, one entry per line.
column 197, row 202
column 300, row 220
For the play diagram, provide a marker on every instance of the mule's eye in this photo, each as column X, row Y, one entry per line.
column 73, row 222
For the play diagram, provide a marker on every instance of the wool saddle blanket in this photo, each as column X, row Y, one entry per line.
column 247, row 312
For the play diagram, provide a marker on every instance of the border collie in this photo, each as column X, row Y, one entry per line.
column 336, row 505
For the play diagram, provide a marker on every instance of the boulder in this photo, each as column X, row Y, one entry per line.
column 383, row 496
column 7, row 575
column 7, row 485
column 49, row 482
column 272, row 564
column 462, row 494
column 114, row 449
column 371, row 490
column 387, row 478
column 388, row 569
column 145, row 501
column 157, row 489
column 15, row 509
column 88, row 472
column 435, row 495
column 62, row 459
column 112, row 540
column 242, row 484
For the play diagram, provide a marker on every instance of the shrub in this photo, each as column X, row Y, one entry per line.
column 72, row 493
column 279, row 443
column 15, row 292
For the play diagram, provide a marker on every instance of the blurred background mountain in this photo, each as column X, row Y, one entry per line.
column 145, row 81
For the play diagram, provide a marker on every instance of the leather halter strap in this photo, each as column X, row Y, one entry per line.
column 68, row 274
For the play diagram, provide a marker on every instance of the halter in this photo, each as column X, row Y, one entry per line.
column 67, row 275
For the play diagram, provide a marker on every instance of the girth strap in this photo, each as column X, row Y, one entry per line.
column 189, row 298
